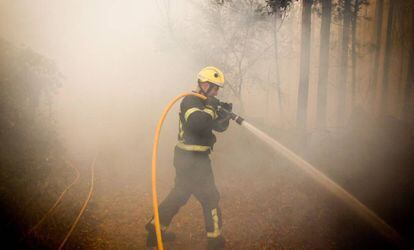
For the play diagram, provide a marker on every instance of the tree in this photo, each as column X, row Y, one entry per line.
column 408, row 95
column 302, row 102
column 25, row 77
column 324, row 62
column 230, row 37
column 356, row 8
column 354, row 55
column 402, row 33
column 278, row 8
column 343, row 76
column 372, row 89
column 387, row 59
column 29, row 144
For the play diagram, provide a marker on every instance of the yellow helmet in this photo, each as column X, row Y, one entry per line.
column 212, row 75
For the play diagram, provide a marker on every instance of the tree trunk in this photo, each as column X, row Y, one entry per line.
column 278, row 82
column 324, row 62
column 354, row 54
column 387, row 59
column 302, row 103
column 372, row 90
column 344, row 63
column 407, row 106
column 400, row 26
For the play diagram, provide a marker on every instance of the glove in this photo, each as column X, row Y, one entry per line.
column 212, row 102
column 224, row 115
column 224, row 111
column 227, row 106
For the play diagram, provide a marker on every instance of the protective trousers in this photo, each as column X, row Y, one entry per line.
column 193, row 176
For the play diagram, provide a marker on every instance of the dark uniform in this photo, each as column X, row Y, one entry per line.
column 192, row 163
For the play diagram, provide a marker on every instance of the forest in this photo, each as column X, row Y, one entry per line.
column 83, row 84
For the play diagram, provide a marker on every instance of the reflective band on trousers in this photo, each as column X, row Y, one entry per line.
column 193, row 147
column 181, row 131
column 206, row 110
column 216, row 233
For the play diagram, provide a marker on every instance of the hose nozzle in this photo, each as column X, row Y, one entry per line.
column 237, row 118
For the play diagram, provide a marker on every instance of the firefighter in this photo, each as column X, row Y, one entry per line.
column 194, row 175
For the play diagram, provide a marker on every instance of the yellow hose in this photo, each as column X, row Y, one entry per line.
column 85, row 204
column 59, row 200
column 154, row 165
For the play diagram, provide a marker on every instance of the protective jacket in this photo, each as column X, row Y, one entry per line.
column 196, row 124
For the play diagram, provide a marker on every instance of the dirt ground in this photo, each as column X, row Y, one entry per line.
column 266, row 203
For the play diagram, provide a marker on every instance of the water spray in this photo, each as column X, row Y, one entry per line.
column 359, row 208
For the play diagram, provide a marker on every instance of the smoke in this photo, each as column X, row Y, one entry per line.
column 123, row 61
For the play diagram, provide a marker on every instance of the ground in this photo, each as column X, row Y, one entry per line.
column 267, row 203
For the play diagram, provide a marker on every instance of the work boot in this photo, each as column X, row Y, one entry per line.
column 152, row 236
column 215, row 243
